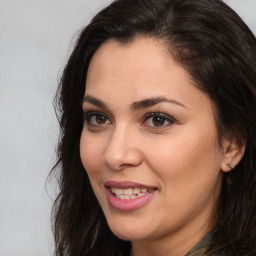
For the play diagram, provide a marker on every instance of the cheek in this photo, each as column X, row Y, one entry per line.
column 91, row 157
column 91, row 153
column 183, row 159
column 189, row 173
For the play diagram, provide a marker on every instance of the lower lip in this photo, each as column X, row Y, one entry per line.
column 128, row 204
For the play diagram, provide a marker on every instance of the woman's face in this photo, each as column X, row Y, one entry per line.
column 149, row 143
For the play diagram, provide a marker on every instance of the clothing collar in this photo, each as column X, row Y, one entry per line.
column 202, row 247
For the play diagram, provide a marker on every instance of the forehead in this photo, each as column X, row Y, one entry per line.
column 139, row 56
column 143, row 62
column 137, row 70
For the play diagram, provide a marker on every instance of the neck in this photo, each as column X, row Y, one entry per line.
column 178, row 244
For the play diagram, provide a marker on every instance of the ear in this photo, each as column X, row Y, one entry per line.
column 233, row 153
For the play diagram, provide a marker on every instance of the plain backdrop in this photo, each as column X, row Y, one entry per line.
column 35, row 42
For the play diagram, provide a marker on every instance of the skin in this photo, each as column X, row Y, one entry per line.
column 181, row 158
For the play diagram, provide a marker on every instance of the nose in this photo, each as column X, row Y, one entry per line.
column 122, row 150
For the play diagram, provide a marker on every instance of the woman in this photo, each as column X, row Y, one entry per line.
column 158, row 144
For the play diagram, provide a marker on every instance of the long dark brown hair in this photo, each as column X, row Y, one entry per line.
column 219, row 51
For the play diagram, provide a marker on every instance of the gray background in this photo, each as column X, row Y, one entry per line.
column 35, row 41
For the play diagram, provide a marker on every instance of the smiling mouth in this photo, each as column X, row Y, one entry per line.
column 130, row 193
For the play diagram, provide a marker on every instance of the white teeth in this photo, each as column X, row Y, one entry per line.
column 119, row 191
column 136, row 191
column 130, row 193
column 143, row 190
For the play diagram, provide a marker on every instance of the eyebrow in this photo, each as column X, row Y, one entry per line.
column 94, row 101
column 135, row 105
column 152, row 102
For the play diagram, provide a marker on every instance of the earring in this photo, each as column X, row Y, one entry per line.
column 229, row 165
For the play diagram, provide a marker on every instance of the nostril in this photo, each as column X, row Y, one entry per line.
column 122, row 160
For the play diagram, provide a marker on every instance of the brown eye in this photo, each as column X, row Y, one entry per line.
column 96, row 119
column 158, row 121
column 100, row 119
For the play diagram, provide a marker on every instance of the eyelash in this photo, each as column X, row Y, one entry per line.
column 165, row 118
column 88, row 116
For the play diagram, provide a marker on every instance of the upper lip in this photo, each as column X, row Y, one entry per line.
column 126, row 184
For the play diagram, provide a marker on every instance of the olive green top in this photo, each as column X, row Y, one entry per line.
column 201, row 248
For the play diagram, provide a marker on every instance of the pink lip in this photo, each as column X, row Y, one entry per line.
column 127, row 204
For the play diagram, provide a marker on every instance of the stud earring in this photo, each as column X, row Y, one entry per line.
column 229, row 165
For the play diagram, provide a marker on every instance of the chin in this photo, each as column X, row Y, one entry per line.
column 130, row 229
column 130, row 235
